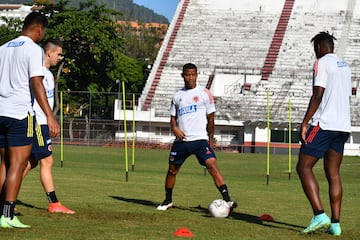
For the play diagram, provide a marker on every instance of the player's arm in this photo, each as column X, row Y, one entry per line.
column 40, row 95
column 314, row 104
column 179, row 134
column 210, row 128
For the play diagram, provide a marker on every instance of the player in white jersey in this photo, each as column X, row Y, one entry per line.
column 328, row 114
column 42, row 147
column 20, row 69
column 192, row 113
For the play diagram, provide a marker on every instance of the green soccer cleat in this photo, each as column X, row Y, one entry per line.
column 334, row 229
column 318, row 222
column 12, row 223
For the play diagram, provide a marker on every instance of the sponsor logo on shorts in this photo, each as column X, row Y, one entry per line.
column 208, row 152
column 171, row 157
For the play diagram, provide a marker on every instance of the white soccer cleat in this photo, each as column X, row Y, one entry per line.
column 164, row 206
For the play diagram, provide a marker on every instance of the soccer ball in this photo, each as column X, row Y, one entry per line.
column 219, row 208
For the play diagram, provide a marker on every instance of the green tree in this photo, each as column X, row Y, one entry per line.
column 94, row 54
column 98, row 51
column 93, row 47
column 143, row 43
column 10, row 29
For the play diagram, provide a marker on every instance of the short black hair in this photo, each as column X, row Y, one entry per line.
column 189, row 66
column 324, row 37
column 35, row 18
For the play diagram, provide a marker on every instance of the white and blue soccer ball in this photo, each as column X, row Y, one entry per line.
column 219, row 208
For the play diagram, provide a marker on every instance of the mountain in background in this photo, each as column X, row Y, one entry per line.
column 131, row 11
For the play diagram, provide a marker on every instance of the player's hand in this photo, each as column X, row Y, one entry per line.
column 212, row 143
column 180, row 135
column 53, row 125
column 303, row 130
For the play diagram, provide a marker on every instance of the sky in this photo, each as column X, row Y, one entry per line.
column 162, row 7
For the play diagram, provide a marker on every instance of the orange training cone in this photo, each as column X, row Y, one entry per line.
column 183, row 232
column 266, row 217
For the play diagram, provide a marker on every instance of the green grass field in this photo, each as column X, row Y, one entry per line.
column 92, row 182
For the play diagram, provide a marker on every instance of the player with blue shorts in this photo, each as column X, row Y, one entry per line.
column 328, row 115
column 20, row 70
column 192, row 113
column 42, row 147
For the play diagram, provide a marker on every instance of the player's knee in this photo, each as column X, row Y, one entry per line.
column 301, row 169
column 47, row 162
column 172, row 171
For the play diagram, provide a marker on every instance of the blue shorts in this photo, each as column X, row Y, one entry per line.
column 16, row 133
column 42, row 147
column 320, row 141
column 181, row 150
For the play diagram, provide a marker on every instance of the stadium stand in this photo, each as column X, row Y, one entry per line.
column 277, row 40
column 263, row 47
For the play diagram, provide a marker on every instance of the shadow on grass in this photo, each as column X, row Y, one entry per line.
column 21, row 203
column 274, row 224
column 235, row 215
column 155, row 204
column 137, row 201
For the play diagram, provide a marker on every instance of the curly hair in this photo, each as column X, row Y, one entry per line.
column 323, row 37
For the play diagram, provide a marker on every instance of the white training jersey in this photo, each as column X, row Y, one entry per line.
column 191, row 107
column 333, row 74
column 49, row 85
column 20, row 59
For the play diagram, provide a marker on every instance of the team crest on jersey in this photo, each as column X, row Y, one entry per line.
column 196, row 99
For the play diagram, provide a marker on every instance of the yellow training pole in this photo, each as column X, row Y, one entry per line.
column 61, row 130
column 268, row 139
column 125, row 134
column 133, row 136
column 289, row 140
